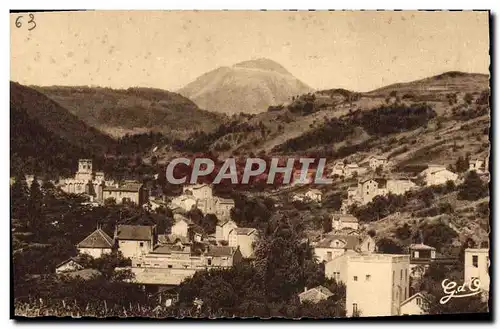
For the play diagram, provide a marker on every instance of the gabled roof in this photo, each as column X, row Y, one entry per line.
column 314, row 292
column 421, row 246
column 218, row 251
column 418, row 294
column 351, row 241
column 96, row 239
column 244, row 230
column 74, row 259
column 135, row 232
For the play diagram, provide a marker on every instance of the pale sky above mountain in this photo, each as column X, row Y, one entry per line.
column 355, row 50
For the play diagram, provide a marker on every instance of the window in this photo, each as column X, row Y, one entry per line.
column 141, row 244
column 401, row 275
column 169, row 266
column 368, row 277
column 419, row 302
column 209, row 261
column 368, row 247
column 406, row 274
column 138, row 265
column 336, row 276
column 355, row 278
column 329, row 255
column 354, row 308
column 474, row 260
column 406, row 292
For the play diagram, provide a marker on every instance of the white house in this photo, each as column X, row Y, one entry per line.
column 437, row 175
column 135, row 240
column 376, row 161
column 376, row 284
column 223, row 228
column 314, row 195
column 244, row 238
column 181, row 225
column 476, row 266
column 96, row 244
column 334, row 245
column 342, row 221
column 415, row 305
column 69, row 265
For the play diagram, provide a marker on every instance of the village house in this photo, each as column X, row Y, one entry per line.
column 135, row 240
column 69, row 265
column 314, row 295
column 437, row 175
column 376, row 284
column 477, row 266
column 369, row 188
column 343, row 221
column 96, row 244
column 376, row 161
column 422, row 255
column 170, row 265
column 243, row 237
column 417, row 304
column 223, row 228
column 181, row 225
column 478, row 165
column 338, row 169
column 85, row 181
column 334, row 245
column 201, row 196
column 312, row 195
column 129, row 191
column 353, row 169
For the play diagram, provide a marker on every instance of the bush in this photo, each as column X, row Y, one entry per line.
column 473, row 188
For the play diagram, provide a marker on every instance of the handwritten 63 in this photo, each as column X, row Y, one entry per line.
column 452, row 291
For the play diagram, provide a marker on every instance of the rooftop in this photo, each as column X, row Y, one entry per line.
column 96, row 239
column 421, row 246
column 135, row 232
column 244, row 230
column 219, row 251
column 125, row 187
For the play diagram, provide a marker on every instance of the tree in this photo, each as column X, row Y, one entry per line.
column 35, row 215
column 327, row 224
column 461, row 165
column 19, row 198
column 389, row 246
column 468, row 98
column 473, row 188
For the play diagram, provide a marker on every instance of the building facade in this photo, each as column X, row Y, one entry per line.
column 243, row 238
column 376, row 284
column 135, row 240
column 476, row 266
column 96, row 244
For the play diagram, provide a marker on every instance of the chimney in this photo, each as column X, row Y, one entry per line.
column 305, row 288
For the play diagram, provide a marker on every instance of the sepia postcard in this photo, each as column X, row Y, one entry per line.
column 250, row 164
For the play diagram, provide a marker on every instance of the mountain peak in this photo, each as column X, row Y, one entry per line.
column 263, row 64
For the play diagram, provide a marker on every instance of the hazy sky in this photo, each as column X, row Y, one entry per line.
column 356, row 50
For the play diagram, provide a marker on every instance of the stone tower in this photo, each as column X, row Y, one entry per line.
column 84, row 172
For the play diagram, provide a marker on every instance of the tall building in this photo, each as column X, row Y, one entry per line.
column 376, row 284
column 476, row 266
